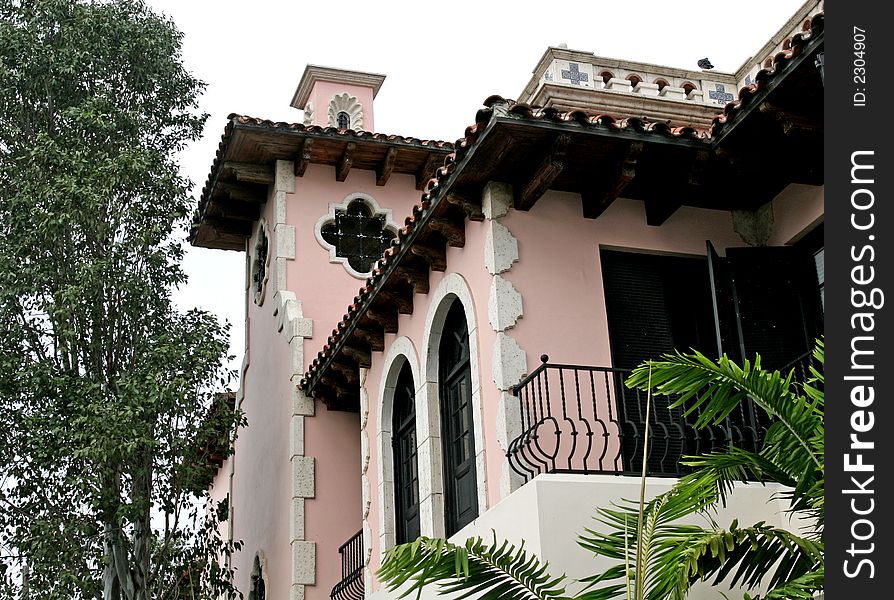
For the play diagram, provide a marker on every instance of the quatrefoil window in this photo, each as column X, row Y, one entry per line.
column 358, row 234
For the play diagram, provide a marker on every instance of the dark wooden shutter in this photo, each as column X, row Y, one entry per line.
column 639, row 290
column 406, row 471
column 777, row 301
column 457, row 434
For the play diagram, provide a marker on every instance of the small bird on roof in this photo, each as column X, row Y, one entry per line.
column 705, row 64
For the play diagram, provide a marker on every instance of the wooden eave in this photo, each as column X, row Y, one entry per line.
column 238, row 184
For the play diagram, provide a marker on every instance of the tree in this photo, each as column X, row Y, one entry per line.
column 103, row 382
column 673, row 555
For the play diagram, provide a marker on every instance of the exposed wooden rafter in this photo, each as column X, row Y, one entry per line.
column 453, row 232
column 433, row 253
column 471, row 209
column 302, row 159
column 414, row 275
column 358, row 354
column 239, row 211
column 393, row 296
column 544, row 174
column 345, row 162
column 428, row 170
column 251, row 172
column 242, row 192
column 369, row 333
column 385, row 316
column 383, row 171
column 601, row 195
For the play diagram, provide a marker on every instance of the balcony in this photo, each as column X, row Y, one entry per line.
column 351, row 586
column 583, row 419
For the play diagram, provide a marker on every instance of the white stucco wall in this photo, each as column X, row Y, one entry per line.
column 551, row 511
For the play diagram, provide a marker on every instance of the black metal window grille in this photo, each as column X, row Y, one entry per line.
column 351, row 585
column 343, row 120
column 259, row 264
column 405, row 460
column 460, row 478
column 358, row 235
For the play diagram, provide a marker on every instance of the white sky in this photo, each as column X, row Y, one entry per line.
column 441, row 59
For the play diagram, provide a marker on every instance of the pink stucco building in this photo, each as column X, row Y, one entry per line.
column 402, row 297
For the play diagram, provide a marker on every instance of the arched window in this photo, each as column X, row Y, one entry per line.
column 661, row 84
column 258, row 586
column 259, row 272
column 406, row 471
column 606, row 76
column 457, row 434
column 343, row 120
column 358, row 235
column 688, row 87
column 634, row 80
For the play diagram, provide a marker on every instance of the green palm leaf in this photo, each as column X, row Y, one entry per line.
column 489, row 571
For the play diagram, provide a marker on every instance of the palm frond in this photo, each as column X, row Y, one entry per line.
column 715, row 389
column 489, row 571
column 748, row 554
column 804, row 587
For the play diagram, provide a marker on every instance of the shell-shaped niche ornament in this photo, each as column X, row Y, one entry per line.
column 345, row 112
column 309, row 114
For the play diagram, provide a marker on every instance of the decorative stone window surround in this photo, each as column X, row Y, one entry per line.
column 351, row 106
column 428, row 414
column 260, row 266
column 401, row 350
column 329, row 217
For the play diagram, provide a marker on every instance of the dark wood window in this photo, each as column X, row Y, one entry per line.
column 457, row 435
column 358, row 235
column 258, row 587
column 343, row 120
column 753, row 301
column 406, row 472
column 654, row 304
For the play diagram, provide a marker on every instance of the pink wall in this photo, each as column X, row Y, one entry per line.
column 559, row 250
column 326, row 289
column 795, row 210
column 263, row 474
column 261, row 494
column 323, row 92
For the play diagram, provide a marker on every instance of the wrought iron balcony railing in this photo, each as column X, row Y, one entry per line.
column 581, row 419
column 351, row 586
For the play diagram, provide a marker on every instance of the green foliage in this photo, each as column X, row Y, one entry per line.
column 494, row 571
column 103, row 383
column 674, row 553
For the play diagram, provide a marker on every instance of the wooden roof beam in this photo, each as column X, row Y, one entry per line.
column 544, row 174
column 427, row 171
column 599, row 197
column 385, row 316
column 303, row 156
column 358, row 354
column 393, row 296
column 251, row 172
column 413, row 274
column 344, row 163
column 454, row 233
column 384, row 170
column 471, row 209
column 432, row 252
column 369, row 333
column 241, row 193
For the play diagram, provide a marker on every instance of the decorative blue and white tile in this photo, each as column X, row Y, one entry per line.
column 719, row 94
column 574, row 73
